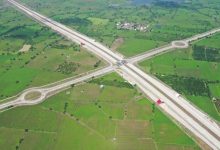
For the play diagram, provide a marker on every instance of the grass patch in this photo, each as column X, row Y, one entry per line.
column 132, row 46
column 32, row 96
column 98, row 21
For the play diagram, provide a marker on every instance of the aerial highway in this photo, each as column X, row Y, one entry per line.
column 190, row 117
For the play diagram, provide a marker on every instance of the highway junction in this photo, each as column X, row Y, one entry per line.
column 172, row 103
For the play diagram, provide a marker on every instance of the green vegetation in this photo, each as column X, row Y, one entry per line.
column 32, row 95
column 166, row 21
column 68, row 67
column 206, row 53
column 207, row 50
column 98, row 21
column 194, row 72
column 187, row 85
column 112, row 82
column 94, row 118
column 106, row 113
column 135, row 46
column 50, row 58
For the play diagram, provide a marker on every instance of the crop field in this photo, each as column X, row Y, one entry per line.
column 166, row 21
column 106, row 113
column 194, row 72
column 48, row 56
column 90, row 117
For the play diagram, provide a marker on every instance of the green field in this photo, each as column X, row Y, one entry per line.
column 194, row 72
column 134, row 46
column 167, row 21
column 50, row 58
column 90, row 117
column 106, row 113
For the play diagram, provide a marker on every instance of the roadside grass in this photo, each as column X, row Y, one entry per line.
column 180, row 66
column 212, row 41
column 81, row 117
column 133, row 46
column 204, row 103
column 169, row 64
column 215, row 90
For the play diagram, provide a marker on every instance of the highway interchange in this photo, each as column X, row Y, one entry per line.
column 176, row 106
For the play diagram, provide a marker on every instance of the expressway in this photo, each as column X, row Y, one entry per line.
column 174, row 105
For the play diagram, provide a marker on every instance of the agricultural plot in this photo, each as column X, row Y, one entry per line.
column 90, row 116
column 165, row 21
column 194, row 72
column 45, row 57
column 105, row 113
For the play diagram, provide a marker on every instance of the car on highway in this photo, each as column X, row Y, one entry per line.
column 159, row 102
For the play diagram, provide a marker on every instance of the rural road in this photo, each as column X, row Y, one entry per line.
column 49, row 91
column 174, row 105
column 174, row 45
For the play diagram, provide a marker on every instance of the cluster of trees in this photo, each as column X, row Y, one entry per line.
column 22, row 32
column 96, row 65
column 187, row 85
column 75, row 21
column 167, row 4
column 206, row 53
column 20, row 141
column 67, row 67
column 63, row 46
column 65, row 107
column 59, row 46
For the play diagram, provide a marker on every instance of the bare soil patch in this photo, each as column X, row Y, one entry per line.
column 117, row 43
column 25, row 48
column 32, row 95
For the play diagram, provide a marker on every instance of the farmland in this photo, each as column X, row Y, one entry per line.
column 167, row 21
column 194, row 72
column 106, row 112
column 49, row 57
column 89, row 116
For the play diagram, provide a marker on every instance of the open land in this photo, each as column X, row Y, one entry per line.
column 89, row 116
column 119, row 113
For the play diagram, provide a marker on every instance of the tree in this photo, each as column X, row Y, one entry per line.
column 153, row 107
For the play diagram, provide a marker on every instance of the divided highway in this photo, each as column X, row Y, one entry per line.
column 176, row 106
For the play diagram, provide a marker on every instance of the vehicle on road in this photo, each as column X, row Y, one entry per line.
column 159, row 102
